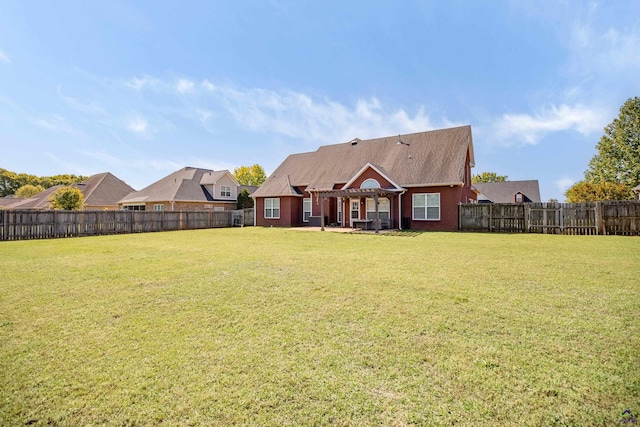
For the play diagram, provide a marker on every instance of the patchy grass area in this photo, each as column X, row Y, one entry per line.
column 280, row 327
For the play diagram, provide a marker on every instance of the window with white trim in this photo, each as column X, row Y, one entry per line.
column 340, row 201
column 225, row 191
column 370, row 183
column 158, row 207
column 272, row 208
column 384, row 207
column 306, row 209
column 355, row 209
column 426, row 206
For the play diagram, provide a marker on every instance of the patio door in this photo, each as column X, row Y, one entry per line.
column 355, row 208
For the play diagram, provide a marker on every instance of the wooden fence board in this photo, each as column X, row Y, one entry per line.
column 32, row 224
column 606, row 217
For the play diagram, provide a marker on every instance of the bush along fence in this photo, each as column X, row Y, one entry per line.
column 30, row 224
column 604, row 218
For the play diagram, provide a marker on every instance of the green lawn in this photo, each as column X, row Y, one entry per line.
column 260, row 326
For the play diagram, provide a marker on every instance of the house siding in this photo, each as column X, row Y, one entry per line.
column 449, row 200
column 290, row 212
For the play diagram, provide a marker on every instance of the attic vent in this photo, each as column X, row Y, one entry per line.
column 354, row 141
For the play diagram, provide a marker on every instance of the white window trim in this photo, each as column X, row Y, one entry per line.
column 381, row 207
column 426, row 207
column 304, row 201
column 224, row 193
column 370, row 183
column 158, row 207
column 351, row 210
column 270, row 201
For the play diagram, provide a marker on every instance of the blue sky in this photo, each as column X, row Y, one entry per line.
column 141, row 89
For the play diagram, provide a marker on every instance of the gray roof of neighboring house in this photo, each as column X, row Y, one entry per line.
column 39, row 201
column 636, row 189
column 423, row 159
column 10, row 200
column 504, row 192
column 185, row 185
column 103, row 189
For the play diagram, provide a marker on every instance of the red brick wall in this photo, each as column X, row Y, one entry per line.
column 290, row 213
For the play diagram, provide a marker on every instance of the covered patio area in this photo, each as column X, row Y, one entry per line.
column 349, row 193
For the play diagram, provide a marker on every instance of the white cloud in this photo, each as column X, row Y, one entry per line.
column 184, row 86
column 141, row 83
column 297, row 115
column 529, row 128
column 137, row 124
column 56, row 123
column 563, row 184
column 86, row 107
column 4, row 57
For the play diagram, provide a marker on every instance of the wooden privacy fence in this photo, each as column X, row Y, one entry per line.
column 606, row 217
column 30, row 224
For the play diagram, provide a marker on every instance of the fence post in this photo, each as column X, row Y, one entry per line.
column 600, row 229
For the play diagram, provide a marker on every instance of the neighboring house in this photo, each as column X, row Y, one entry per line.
column 186, row 189
column 637, row 191
column 413, row 181
column 100, row 191
column 9, row 200
column 508, row 192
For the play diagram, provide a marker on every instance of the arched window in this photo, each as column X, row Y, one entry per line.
column 370, row 183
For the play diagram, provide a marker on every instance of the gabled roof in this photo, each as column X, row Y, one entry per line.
column 10, row 200
column 39, row 201
column 184, row 185
column 103, row 189
column 504, row 192
column 377, row 169
column 422, row 159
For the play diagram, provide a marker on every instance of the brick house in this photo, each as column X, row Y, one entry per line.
column 188, row 189
column 413, row 181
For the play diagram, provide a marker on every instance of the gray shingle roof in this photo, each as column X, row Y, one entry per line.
column 504, row 192
column 103, row 189
column 185, row 185
column 424, row 159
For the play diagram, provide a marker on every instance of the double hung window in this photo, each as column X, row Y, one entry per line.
column 426, row 206
column 272, row 208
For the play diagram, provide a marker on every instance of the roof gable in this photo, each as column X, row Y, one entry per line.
column 103, row 189
column 421, row 159
column 182, row 185
column 504, row 192
column 376, row 170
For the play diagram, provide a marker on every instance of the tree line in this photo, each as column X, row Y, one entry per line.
column 11, row 182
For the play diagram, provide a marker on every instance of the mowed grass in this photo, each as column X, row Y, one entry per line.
column 260, row 326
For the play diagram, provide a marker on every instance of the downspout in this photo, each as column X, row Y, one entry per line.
column 400, row 209
column 255, row 209
column 172, row 202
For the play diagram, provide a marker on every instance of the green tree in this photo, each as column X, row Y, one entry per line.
column 67, row 198
column 488, row 177
column 585, row 191
column 244, row 200
column 250, row 175
column 29, row 190
column 10, row 181
column 618, row 157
